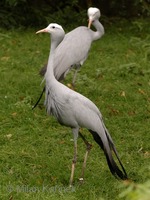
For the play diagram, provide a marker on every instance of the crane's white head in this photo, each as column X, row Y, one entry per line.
column 93, row 14
column 50, row 28
column 56, row 31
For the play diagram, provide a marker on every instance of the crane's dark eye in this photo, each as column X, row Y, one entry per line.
column 53, row 27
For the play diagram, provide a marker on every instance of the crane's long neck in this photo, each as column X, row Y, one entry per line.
column 99, row 30
column 49, row 76
column 50, row 73
column 53, row 45
column 56, row 39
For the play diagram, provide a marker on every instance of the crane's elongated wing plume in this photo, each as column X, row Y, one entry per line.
column 108, row 153
column 39, row 98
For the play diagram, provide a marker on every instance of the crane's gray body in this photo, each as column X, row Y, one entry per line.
column 75, row 110
column 71, row 108
column 73, row 50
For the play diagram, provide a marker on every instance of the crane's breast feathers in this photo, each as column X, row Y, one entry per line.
column 71, row 108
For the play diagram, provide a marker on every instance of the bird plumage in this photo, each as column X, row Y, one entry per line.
column 74, row 53
column 75, row 110
column 74, row 48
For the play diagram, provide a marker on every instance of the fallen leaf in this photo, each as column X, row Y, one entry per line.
column 113, row 111
column 61, row 142
column 9, row 136
column 11, row 171
column 131, row 113
column 14, row 114
column 5, row 58
column 147, row 154
column 142, row 91
column 123, row 94
column 53, row 178
column 70, row 86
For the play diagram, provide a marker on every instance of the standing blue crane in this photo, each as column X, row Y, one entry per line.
column 74, row 110
column 74, row 48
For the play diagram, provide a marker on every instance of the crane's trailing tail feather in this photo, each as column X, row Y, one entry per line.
column 118, row 173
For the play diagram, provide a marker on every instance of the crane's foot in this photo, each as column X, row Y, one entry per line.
column 70, row 186
column 88, row 148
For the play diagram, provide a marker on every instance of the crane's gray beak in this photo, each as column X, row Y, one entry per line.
column 90, row 22
column 42, row 31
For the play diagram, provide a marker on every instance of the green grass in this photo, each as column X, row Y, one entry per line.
column 36, row 152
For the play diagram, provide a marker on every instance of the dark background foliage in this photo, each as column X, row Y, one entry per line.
column 27, row 13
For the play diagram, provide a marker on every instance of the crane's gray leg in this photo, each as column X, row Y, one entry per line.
column 75, row 75
column 75, row 134
column 88, row 148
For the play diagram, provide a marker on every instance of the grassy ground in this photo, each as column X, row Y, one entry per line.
column 36, row 152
